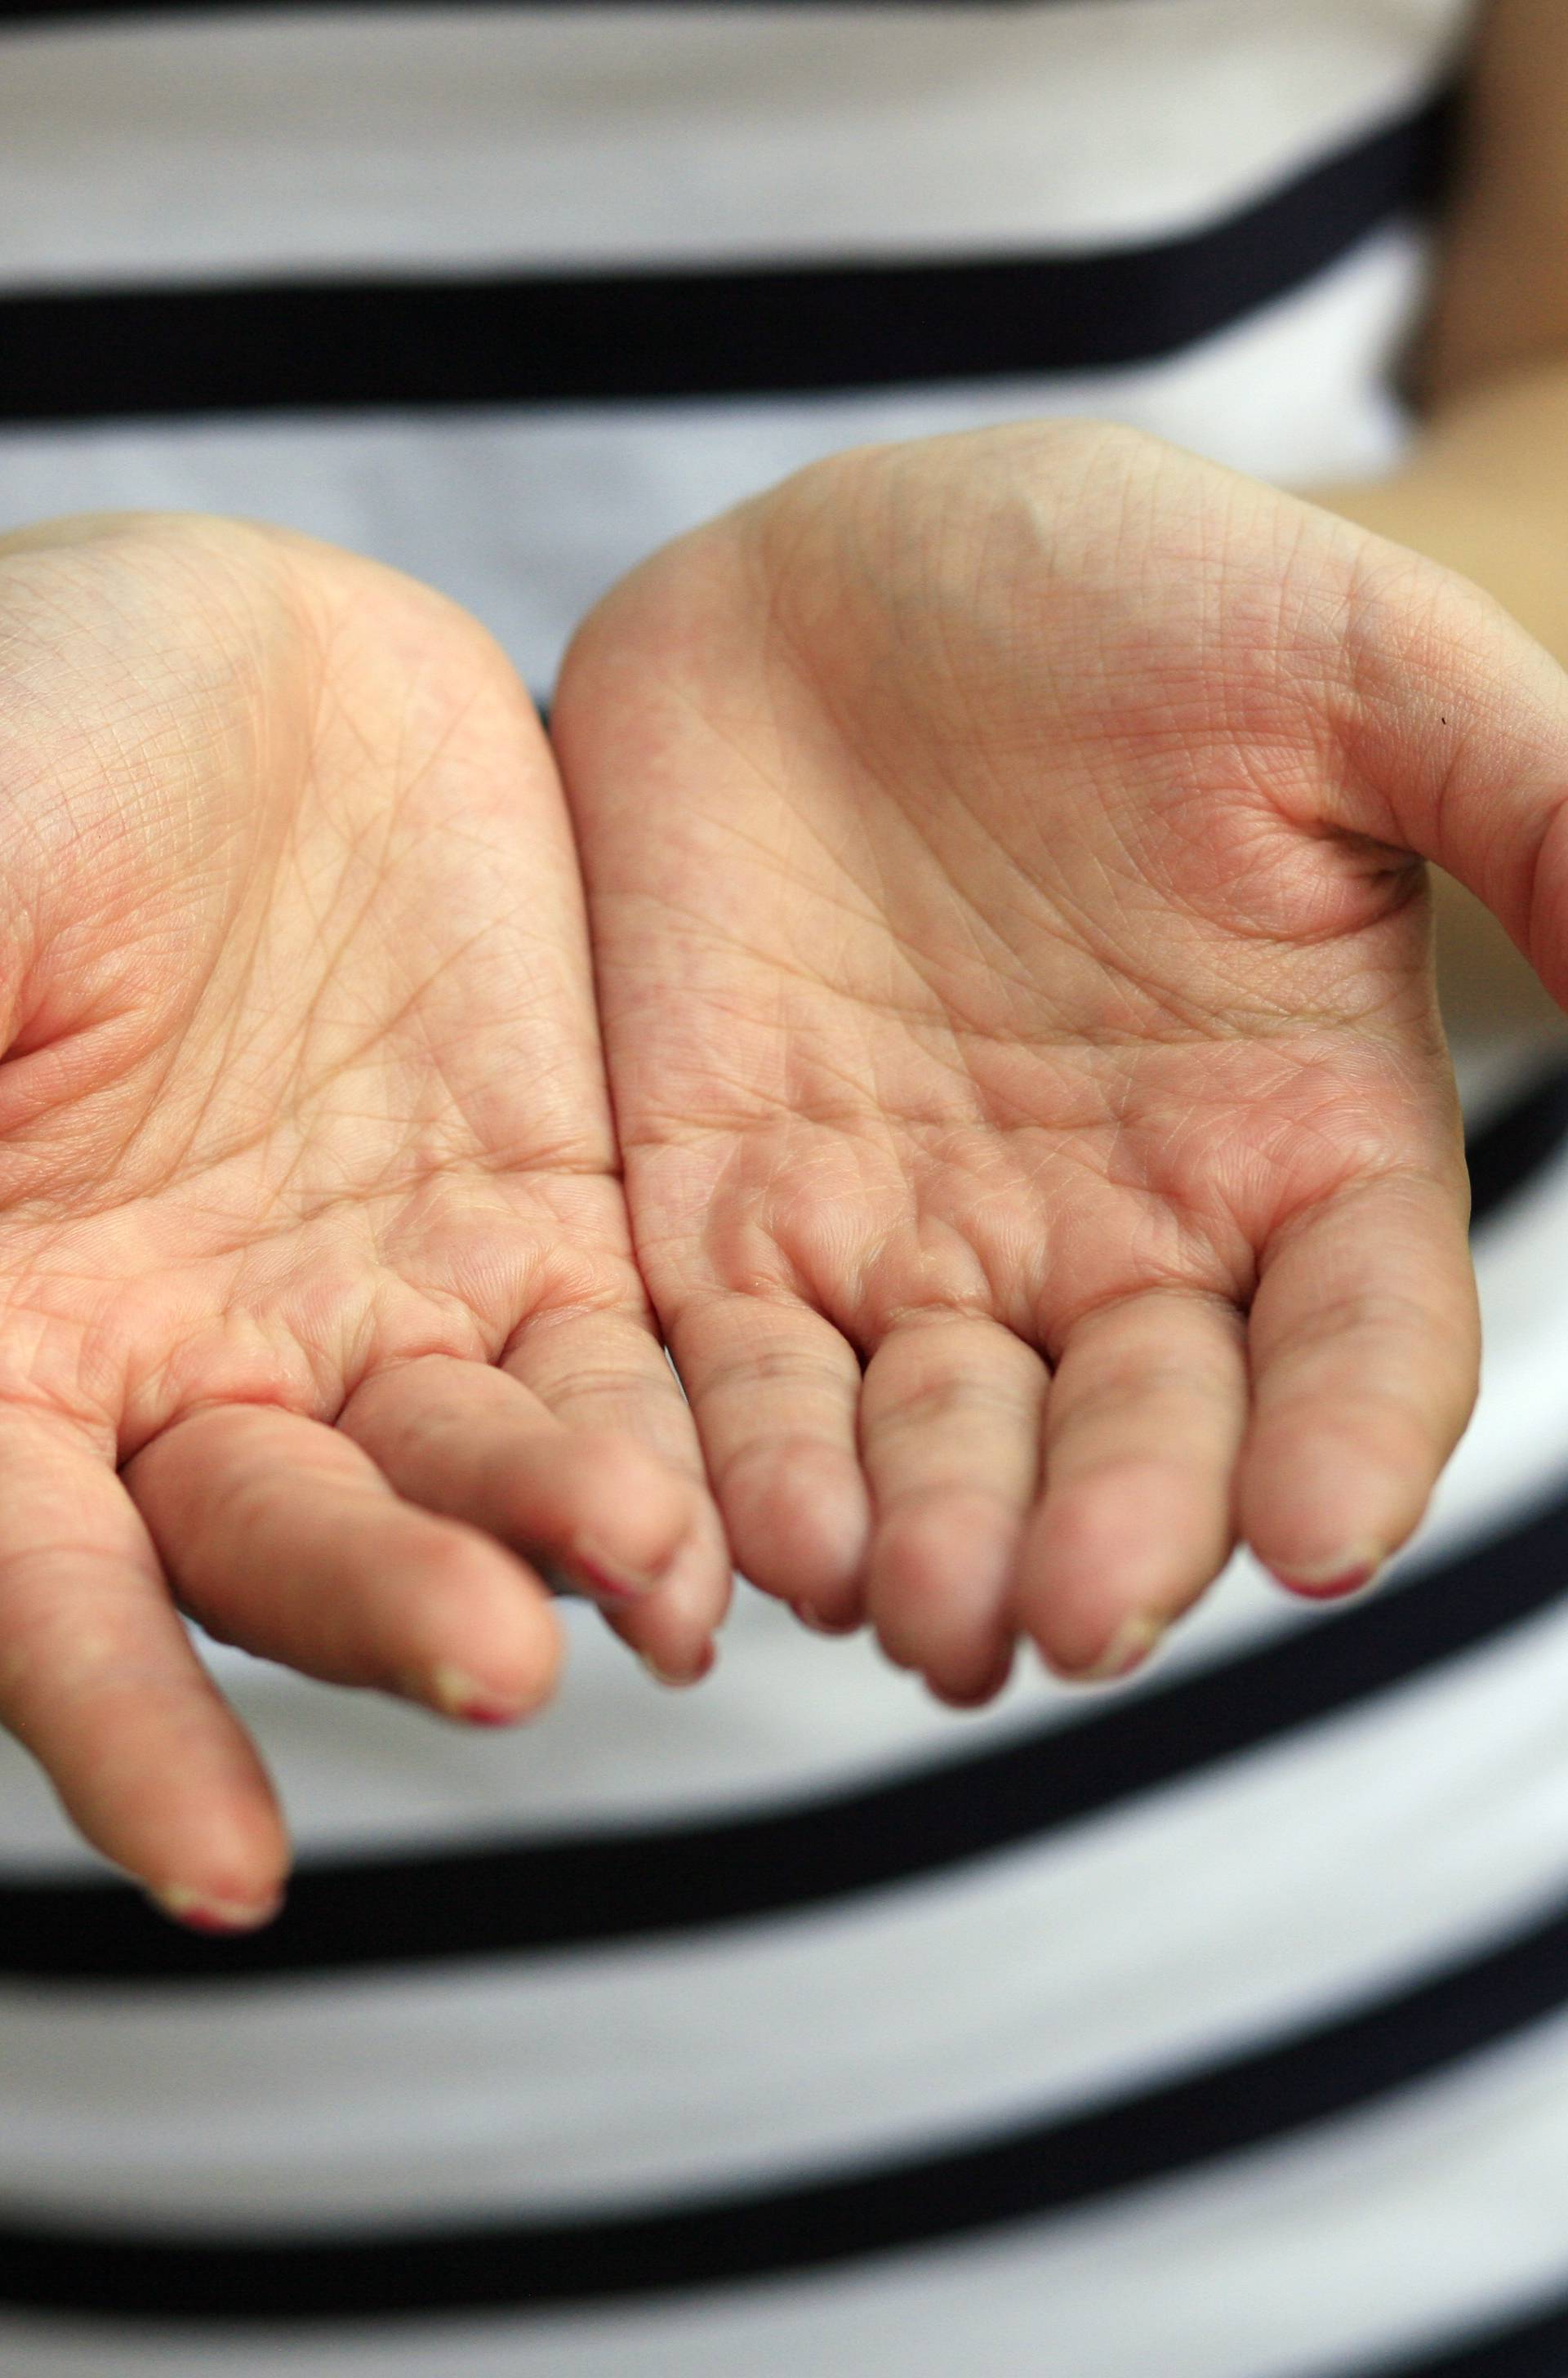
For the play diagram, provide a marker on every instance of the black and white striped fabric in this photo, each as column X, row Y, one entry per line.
column 1216, row 2027
column 508, row 294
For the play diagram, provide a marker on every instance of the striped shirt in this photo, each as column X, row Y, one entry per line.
column 1211, row 2026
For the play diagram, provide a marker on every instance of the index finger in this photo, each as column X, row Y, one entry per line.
column 1365, row 1343
column 101, row 1682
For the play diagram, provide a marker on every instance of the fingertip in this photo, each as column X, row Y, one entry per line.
column 638, row 1514
column 1348, row 1571
column 936, row 1590
column 800, row 1522
column 989, row 1688
column 687, row 1672
column 453, row 1693
column 1323, row 1522
column 198, row 1910
column 209, row 1883
column 1130, row 1646
column 1364, row 1348
column 184, row 1807
column 672, row 1631
column 817, row 1622
column 492, row 1647
column 1091, row 1566
column 1113, row 1558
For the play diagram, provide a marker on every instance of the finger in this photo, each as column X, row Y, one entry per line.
column 774, row 1389
column 1143, row 1427
column 100, row 1680
column 471, row 1442
column 1365, row 1344
column 282, row 1536
column 951, row 1437
column 608, row 1372
column 1456, row 733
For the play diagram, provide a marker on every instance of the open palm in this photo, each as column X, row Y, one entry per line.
column 1040, row 1139
column 302, row 1121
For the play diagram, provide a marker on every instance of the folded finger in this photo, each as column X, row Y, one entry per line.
column 471, row 1442
column 280, row 1535
column 606, row 1374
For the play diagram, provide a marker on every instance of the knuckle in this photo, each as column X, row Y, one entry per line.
column 936, row 1404
column 776, row 1366
column 1372, row 1314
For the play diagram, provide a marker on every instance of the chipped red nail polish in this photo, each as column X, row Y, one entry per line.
column 1129, row 1647
column 598, row 1582
column 611, row 1580
column 459, row 1696
column 200, row 1914
column 1328, row 1589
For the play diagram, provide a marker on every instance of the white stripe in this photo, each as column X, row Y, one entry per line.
column 463, row 136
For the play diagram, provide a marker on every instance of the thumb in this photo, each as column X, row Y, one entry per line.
column 1455, row 740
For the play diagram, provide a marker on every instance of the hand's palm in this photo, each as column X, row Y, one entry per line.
column 302, row 1120
column 1010, row 989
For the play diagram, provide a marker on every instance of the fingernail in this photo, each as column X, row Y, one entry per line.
column 199, row 1913
column 811, row 1616
column 1128, row 1648
column 1327, row 1580
column 460, row 1696
column 1000, row 1673
column 612, row 1578
column 677, row 1678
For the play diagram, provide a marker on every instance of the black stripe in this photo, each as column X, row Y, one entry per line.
column 1045, row 2167
column 539, row 339
column 1533, row 2347
column 1506, row 1154
column 538, row 1895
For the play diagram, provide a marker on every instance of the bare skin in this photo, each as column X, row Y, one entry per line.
column 318, row 1311
column 1014, row 965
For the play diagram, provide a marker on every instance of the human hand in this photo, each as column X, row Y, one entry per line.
column 309, row 1214
column 1015, row 985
